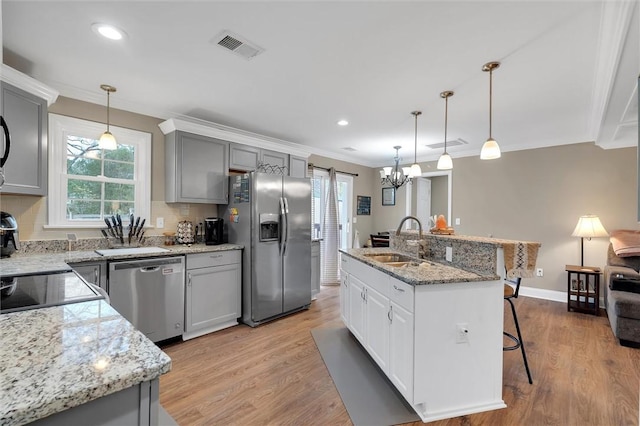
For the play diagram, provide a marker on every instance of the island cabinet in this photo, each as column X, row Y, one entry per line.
column 196, row 169
column 440, row 344
column 213, row 290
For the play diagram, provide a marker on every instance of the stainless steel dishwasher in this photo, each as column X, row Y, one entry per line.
column 150, row 294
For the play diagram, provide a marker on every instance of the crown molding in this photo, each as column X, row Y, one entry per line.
column 219, row 131
column 614, row 31
column 28, row 84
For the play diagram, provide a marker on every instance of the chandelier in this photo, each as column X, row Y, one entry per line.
column 395, row 176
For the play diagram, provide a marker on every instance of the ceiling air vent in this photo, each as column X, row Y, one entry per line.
column 440, row 145
column 348, row 148
column 238, row 45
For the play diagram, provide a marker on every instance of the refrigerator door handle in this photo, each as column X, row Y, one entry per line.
column 286, row 227
column 283, row 225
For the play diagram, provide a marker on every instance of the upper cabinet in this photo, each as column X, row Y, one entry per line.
column 297, row 166
column 196, row 169
column 24, row 107
column 245, row 150
column 246, row 158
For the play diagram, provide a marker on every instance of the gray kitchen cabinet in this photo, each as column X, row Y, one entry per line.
column 137, row 405
column 274, row 158
column 213, row 292
column 246, row 158
column 26, row 116
column 196, row 169
column 297, row 166
column 243, row 157
column 315, row 269
column 93, row 272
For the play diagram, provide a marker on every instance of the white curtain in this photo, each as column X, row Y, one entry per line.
column 330, row 234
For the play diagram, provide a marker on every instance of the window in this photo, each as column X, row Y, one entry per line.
column 87, row 183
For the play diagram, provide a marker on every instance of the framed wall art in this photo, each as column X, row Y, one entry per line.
column 388, row 196
column 364, row 205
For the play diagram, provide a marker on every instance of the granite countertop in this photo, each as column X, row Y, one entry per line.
column 57, row 358
column 425, row 271
column 31, row 263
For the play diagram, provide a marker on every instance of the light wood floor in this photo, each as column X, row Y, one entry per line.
column 274, row 375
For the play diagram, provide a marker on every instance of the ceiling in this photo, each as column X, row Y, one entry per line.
column 568, row 69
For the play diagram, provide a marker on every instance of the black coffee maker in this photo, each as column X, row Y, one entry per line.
column 213, row 231
column 8, row 235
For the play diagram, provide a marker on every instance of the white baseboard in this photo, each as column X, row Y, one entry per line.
column 554, row 295
column 539, row 293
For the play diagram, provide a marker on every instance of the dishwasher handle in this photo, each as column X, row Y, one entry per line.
column 150, row 269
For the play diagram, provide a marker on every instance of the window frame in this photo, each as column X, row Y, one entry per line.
column 59, row 127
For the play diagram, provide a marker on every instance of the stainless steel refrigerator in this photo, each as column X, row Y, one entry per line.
column 270, row 215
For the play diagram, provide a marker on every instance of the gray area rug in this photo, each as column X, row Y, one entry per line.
column 370, row 398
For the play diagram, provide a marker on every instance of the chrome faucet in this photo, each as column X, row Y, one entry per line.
column 404, row 219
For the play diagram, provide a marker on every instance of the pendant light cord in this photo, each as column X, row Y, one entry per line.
column 108, row 96
column 415, row 148
column 446, row 110
column 490, row 100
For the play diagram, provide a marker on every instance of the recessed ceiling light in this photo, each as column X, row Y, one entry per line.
column 108, row 31
column 343, row 123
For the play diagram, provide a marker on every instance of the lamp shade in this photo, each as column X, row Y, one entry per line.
column 107, row 141
column 490, row 150
column 445, row 162
column 415, row 170
column 589, row 226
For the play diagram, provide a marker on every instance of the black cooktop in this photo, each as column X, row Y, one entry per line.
column 19, row 293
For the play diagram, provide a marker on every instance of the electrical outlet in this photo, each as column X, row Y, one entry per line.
column 457, row 221
column 539, row 272
column 448, row 255
column 462, row 333
column 160, row 222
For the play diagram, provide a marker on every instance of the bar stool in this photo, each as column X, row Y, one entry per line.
column 511, row 289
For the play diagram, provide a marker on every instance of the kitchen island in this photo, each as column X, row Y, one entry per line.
column 434, row 330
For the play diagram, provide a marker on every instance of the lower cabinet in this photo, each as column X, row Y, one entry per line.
column 137, row 405
column 315, row 269
column 344, row 296
column 371, row 320
column 213, row 292
column 92, row 272
column 401, row 349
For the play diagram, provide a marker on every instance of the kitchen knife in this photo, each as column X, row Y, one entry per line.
column 135, row 228
column 119, row 219
column 141, row 227
column 106, row 220
column 104, row 233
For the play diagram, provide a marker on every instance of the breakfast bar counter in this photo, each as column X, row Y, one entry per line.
column 417, row 271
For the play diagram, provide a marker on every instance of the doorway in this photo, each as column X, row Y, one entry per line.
column 429, row 196
column 345, row 205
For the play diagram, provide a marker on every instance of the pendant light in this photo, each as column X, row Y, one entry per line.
column 415, row 171
column 445, row 162
column 107, row 141
column 490, row 149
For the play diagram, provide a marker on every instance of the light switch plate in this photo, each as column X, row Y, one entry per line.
column 448, row 254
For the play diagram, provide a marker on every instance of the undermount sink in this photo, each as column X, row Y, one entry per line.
column 394, row 259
